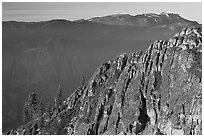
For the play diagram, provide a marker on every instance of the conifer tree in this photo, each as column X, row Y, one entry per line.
column 40, row 115
column 40, row 109
column 32, row 100
column 82, row 79
column 48, row 110
column 32, row 103
column 26, row 114
column 58, row 100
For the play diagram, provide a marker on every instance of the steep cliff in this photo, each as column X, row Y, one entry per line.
column 154, row 92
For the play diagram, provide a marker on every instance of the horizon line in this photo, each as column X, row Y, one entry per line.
column 87, row 19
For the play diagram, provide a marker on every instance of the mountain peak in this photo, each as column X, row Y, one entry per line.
column 165, row 13
column 151, row 14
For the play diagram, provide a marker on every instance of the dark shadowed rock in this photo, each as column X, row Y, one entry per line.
column 155, row 92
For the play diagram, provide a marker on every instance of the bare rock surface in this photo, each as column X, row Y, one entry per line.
column 147, row 93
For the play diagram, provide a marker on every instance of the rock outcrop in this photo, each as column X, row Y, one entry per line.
column 154, row 92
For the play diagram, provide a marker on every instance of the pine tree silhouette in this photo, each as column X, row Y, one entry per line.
column 40, row 109
column 26, row 114
column 58, row 100
column 32, row 104
column 30, row 108
column 48, row 110
column 82, row 80
column 32, row 100
column 40, row 115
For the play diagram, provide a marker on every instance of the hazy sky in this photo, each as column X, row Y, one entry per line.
column 40, row 11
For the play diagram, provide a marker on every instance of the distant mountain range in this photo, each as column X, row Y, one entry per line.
column 38, row 56
column 143, row 20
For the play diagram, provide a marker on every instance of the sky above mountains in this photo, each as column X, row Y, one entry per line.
column 41, row 11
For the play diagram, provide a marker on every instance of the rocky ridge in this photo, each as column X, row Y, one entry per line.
column 154, row 92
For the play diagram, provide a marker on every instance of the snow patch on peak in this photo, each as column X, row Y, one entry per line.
column 164, row 13
column 151, row 15
column 115, row 15
column 118, row 15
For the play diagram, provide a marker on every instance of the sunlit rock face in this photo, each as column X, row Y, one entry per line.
column 147, row 93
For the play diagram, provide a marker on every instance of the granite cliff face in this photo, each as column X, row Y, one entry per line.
column 154, row 92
